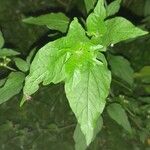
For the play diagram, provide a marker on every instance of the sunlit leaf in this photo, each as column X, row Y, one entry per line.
column 113, row 7
column 21, row 64
column 86, row 92
column 120, row 29
column 95, row 21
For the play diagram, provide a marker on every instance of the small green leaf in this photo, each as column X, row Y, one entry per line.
column 113, row 8
column 117, row 113
column 121, row 68
column 75, row 31
column 79, row 138
column 30, row 56
column 143, row 74
column 86, row 92
column 95, row 21
column 101, row 57
column 54, row 21
column 12, row 86
column 145, row 99
column 147, row 88
column 89, row 4
column 2, row 82
column 8, row 52
column 100, row 10
column 21, row 64
column 120, row 29
column 1, row 40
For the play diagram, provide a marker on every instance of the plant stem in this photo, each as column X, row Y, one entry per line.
column 121, row 84
column 12, row 69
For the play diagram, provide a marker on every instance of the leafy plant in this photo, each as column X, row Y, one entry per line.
column 13, row 84
column 84, row 61
column 78, row 61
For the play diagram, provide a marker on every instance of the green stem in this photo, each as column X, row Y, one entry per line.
column 67, row 127
column 12, row 69
column 122, row 85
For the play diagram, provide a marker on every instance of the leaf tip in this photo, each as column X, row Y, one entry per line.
column 24, row 99
column 27, row 20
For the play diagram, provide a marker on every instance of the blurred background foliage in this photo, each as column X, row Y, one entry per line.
column 46, row 122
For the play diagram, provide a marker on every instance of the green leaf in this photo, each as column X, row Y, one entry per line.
column 50, row 63
column 30, row 56
column 101, row 57
column 79, row 138
column 100, row 10
column 73, row 60
column 121, row 68
column 21, row 64
column 143, row 74
column 2, row 82
column 8, row 52
column 12, row 86
column 120, row 29
column 117, row 113
column 80, row 141
column 1, row 40
column 54, row 21
column 86, row 92
column 146, row 8
column 145, row 99
column 113, row 8
column 89, row 4
column 47, row 66
column 95, row 21
column 147, row 88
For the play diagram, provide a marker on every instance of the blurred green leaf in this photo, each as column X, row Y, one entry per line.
column 79, row 138
column 143, row 74
column 1, row 40
column 12, row 86
column 117, row 113
column 147, row 88
column 30, row 56
column 121, row 68
column 54, row 21
column 147, row 8
column 89, row 4
column 8, row 52
column 145, row 99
